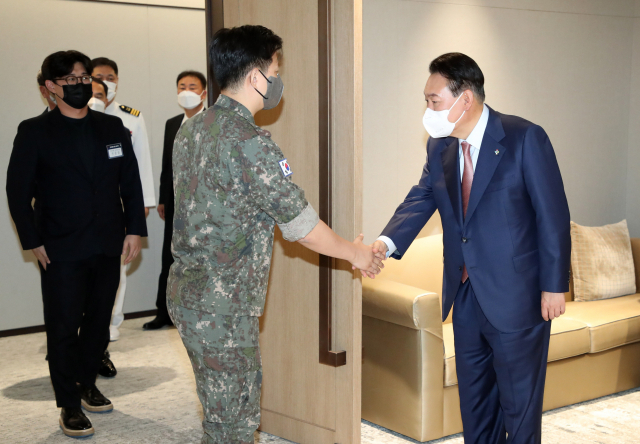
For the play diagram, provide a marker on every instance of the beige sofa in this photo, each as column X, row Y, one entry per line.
column 409, row 381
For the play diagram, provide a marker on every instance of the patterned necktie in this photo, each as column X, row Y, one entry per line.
column 467, row 180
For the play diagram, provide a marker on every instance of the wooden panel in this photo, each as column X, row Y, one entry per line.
column 347, row 219
column 295, row 430
column 295, row 384
column 303, row 400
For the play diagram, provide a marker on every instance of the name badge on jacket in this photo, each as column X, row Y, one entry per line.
column 115, row 150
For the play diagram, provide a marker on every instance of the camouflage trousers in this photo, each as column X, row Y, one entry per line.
column 225, row 355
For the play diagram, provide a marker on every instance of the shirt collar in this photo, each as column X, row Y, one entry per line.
column 111, row 109
column 185, row 118
column 227, row 102
column 475, row 138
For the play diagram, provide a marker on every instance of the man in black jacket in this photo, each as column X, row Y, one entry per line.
column 192, row 93
column 81, row 166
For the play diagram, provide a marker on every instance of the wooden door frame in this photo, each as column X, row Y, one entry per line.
column 340, row 175
column 214, row 22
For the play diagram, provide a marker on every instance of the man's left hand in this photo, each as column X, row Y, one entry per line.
column 146, row 211
column 553, row 305
column 132, row 246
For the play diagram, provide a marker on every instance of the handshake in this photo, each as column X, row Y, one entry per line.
column 368, row 258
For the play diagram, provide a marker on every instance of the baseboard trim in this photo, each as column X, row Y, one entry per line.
column 40, row 328
column 140, row 314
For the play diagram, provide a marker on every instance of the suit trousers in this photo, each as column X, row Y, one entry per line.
column 501, row 376
column 78, row 297
column 167, row 260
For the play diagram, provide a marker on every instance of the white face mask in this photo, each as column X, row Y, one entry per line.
column 437, row 123
column 96, row 104
column 189, row 99
column 113, row 87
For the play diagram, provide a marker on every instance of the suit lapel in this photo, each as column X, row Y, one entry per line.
column 451, row 169
column 491, row 152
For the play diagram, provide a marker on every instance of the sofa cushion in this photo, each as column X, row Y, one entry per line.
column 450, row 376
column 612, row 322
column 569, row 338
column 602, row 262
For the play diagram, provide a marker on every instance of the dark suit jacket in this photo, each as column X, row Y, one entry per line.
column 515, row 239
column 166, row 176
column 75, row 209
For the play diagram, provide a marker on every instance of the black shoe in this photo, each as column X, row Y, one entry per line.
column 94, row 401
column 107, row 369
column 74, row 423
column 157, row 323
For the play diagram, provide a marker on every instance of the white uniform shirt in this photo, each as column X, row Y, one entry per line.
column 140, row 142
column 185, row 118
column 475, row 140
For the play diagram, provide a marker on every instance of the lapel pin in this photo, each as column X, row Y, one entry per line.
column 497, row 152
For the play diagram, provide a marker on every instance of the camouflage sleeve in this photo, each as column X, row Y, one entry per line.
column 257, row 165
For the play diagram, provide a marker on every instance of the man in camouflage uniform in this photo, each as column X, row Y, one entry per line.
column 232, row 186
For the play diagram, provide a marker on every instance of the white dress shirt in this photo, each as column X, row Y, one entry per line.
column 140, row 142
column 185, row 118
column 475, row 140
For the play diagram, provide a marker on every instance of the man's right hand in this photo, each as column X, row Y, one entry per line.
column 380, row 249
column 365, row 260
column 160, row 209
column 42, row 257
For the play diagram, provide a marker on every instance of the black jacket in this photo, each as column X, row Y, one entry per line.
column 166, row 176
column 74, row 211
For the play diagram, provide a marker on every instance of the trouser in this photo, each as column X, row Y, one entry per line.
column 225, row 355
column 117, row 316
column 77, row 296
column 167, row 260
column 501, row 376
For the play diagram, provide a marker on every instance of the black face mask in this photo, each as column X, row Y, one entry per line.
column 77, row 96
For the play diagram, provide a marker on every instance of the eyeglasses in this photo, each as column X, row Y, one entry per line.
column 73, row 80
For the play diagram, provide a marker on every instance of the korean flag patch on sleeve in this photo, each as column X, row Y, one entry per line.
column 285, row 167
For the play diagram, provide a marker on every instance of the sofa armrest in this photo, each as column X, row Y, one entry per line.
column 635, row 248
column 402, row 304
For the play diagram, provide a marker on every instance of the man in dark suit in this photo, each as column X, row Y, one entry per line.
column 89, row 210
column 192, row 93
column 495, row 180
column 107, row 369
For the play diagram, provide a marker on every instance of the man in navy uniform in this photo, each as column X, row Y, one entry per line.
column 107, row 70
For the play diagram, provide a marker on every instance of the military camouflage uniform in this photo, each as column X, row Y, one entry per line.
column 230, row 191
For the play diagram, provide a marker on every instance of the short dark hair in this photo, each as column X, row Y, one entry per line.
column 103, row 61
column 236, row 51
column 191, row 73
column 40, row 79
column 104, row 85
column 61, row 63
column 461, row 71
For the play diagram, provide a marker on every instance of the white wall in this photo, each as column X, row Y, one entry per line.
column 633, row 175
column 151, row 46
column 563, row 64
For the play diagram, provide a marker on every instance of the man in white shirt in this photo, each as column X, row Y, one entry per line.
column 192, row 95
column 107, row 71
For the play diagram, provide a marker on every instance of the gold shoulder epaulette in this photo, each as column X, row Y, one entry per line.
column 127, row 109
